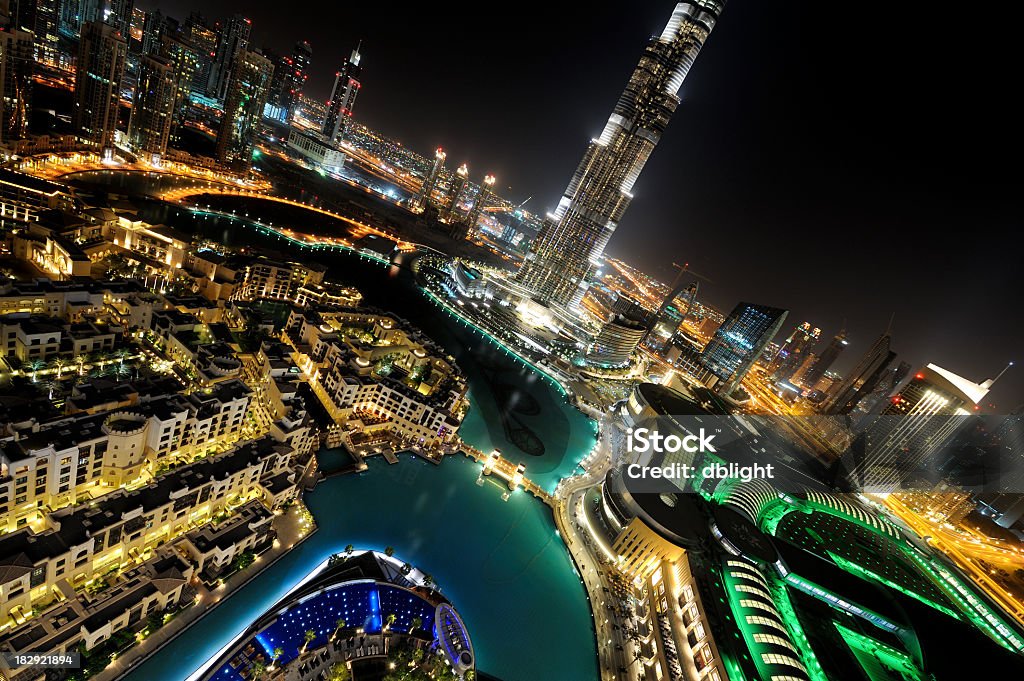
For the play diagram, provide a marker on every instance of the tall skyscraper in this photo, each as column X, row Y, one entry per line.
column 343, row 98
column 458, row 190
column 575, row 235
column 101, row 58
column 204, row 39
column 47, row 18
column 233, row 41
column 480, row 202
column 184, row 60
column 76, row 13
column 739, row 342
column 290, row 77
column 243, row 109
column 921, row 419
column 794, row 351
column 825, row 360
column 862, row 380
column 153, row 108
column 430, row 181
column 669, row 317
column 17, row 54
column 615, row 344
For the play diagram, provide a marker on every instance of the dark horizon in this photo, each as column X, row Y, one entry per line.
column 834, row 164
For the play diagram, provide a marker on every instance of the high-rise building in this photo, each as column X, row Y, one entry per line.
column 290, row 77
column 153, row 108
column 243, row 109
column 47, row 18
column 17, row 54
column 18, row 14
column 233, row 41
column 184, row 59
column 616, row 342
column 575, row 235
column 430, row 181
column 480, row 202
column 862, row 380
column 458, row 189
column 825, row 360
column 794, row 351
column 76, row 13
column 739, row 342
column 918, row 422
column 669, row 317
column 101, row 58
column 343, row 98
column 204, row 40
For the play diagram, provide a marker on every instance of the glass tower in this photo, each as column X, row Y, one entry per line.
column 575, row 235
column 243, row 109
column 739, row 342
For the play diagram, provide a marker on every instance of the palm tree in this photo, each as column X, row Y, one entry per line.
column 349, row 549
column 278, row 652
column 470, row 675
column 339, row 625
column 59, row 364
column 389, row 620
column 257, row 670
column 50, row 387
column 428, row 580
column 35, row 365
column 81, row 363
column 417, row 622
column 307, row 638
column 121, row 355
column 406, row 568
column 389, row 551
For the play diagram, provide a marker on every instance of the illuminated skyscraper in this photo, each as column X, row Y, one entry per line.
column 101, row 58
column 76, row 13
column 862, row 380
column 233, row 41
column 153, row 108
column 575, row 235
column 794, row 351
column 17, row 55
column 919, row 421
column 204, row 39
column 243, row 109
column 290, row 77
column 669, row 317
column 480, row 202
column 183, row 57
column 616, row 342
column 458, row 190
column 739, row 342
column 343, row 98
column 45, row 21
column 430, row 181
column 825, row 360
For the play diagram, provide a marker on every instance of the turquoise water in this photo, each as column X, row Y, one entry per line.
column 501, row 563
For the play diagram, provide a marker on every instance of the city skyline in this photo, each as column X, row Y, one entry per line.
column 229, row 304
column 793, row 146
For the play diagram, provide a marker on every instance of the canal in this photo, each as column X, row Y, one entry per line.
column 501, row 563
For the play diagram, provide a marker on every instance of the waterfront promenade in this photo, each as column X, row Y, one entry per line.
column 291, row 531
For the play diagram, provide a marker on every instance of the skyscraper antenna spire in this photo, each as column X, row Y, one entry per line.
column 892, row 318
column 990, row 382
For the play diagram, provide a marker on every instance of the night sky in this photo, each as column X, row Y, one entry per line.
column 841, row 161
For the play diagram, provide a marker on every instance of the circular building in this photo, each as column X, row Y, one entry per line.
column 362, row 611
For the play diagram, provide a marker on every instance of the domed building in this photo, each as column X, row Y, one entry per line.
column 362, row 616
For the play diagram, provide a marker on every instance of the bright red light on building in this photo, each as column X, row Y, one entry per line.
column 919, row 377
